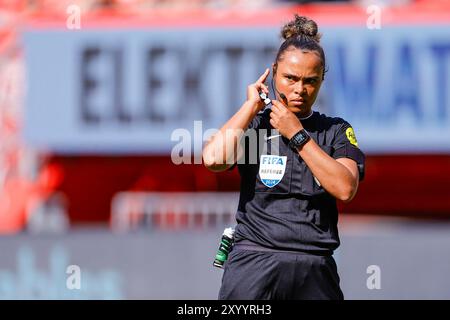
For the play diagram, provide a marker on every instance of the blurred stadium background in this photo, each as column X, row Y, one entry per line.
column 89, row 104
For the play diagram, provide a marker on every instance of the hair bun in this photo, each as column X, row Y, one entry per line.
column 301, row 26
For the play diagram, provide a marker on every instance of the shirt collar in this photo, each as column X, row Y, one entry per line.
column 308, row 116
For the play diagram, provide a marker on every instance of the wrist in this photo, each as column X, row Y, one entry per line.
column 252, row 106
column 299, row 139
column 294, row 132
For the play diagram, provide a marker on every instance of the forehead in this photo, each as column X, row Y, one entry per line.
column 298, row 62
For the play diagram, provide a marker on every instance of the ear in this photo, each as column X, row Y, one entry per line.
column 274, row 68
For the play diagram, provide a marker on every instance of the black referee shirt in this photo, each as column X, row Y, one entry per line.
column 281, row 204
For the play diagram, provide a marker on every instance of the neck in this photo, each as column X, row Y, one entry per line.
column 304, row 115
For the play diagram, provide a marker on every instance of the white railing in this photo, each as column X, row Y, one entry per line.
column 172, row 210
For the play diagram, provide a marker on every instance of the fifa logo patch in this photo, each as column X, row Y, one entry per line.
column 271, row 169
column 351, row 136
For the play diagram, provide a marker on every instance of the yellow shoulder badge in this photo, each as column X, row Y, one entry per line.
column 351, row 136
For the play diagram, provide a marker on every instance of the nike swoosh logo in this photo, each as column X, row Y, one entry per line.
column 271, row 137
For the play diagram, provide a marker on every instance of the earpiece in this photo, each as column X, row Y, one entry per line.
column 265, row 98
column 282, row 96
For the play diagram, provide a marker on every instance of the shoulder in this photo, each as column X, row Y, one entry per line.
column 331, row 124
column 337, row 129
column 331, row 121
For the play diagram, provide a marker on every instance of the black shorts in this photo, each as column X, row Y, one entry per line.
column 262, row 275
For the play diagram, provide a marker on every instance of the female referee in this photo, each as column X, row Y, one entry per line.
column 287, row 216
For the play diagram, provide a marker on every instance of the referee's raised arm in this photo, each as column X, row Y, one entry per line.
column 223, row 149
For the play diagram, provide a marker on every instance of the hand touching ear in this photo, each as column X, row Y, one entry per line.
column 254, row 89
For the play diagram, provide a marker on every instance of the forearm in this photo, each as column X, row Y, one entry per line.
column 221, row 151
column 334, row 177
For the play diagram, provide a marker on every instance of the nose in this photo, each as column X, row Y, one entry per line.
column 299, row 88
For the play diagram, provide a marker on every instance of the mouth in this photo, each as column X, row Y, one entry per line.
column 298, row 102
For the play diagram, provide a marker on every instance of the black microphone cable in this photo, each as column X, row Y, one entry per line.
column 274, row 88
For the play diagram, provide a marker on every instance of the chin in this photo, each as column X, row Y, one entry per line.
column 300, row 109
column 296, row 108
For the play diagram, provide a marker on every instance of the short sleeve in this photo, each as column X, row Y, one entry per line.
column 346, row 146
column 253, row 125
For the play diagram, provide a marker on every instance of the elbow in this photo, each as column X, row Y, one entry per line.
column 217, row 167
column 346, row 199
column 212, row 165
column 347, row 194
column 209, row 162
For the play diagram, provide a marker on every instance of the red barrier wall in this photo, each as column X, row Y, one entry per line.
column 414, row 186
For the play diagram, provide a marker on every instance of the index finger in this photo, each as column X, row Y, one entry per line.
column 263, row 78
